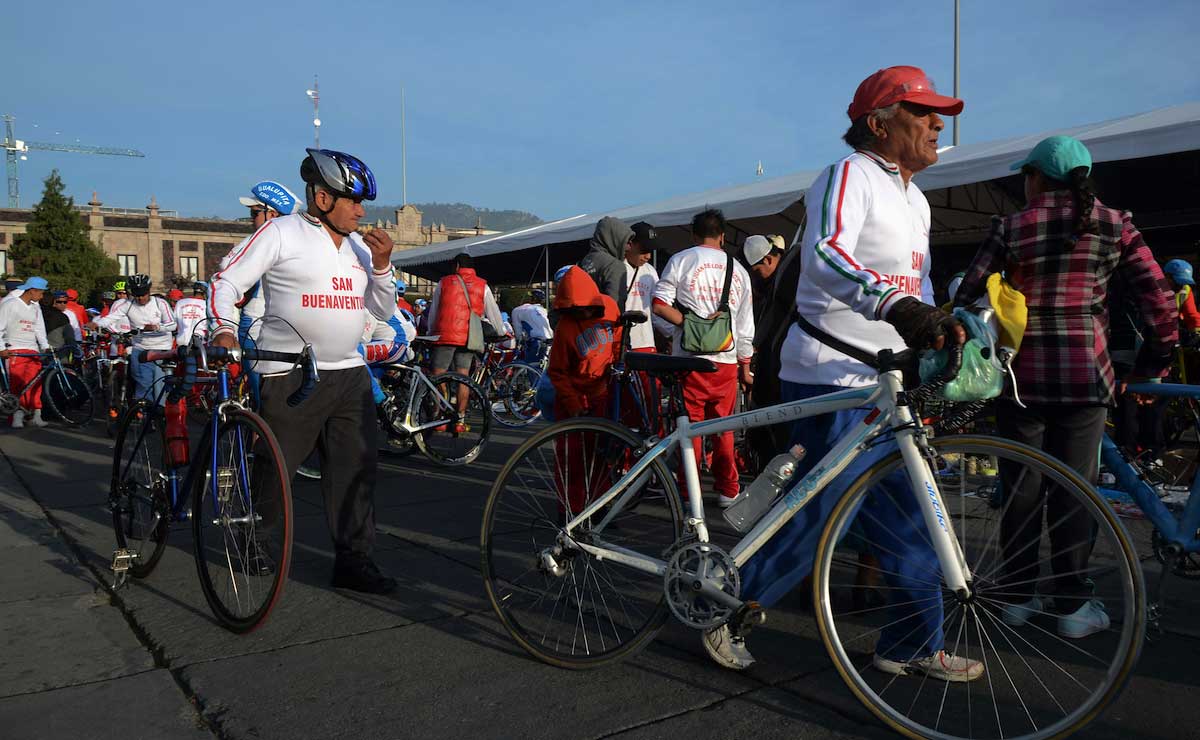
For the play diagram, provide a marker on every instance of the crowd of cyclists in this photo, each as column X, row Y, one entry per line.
column 308, row 276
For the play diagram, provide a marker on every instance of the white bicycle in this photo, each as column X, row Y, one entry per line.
column 586, row 548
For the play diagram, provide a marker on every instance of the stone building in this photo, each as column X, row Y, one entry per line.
column 173, row 249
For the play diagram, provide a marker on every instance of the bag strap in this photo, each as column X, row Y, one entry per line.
column 466, row 292
column 831, row 341
column 633, row 280
column 728, row 281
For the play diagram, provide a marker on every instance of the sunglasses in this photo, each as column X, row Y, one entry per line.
column 62, row 301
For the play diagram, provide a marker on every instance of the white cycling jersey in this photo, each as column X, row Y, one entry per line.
column 129, row 313
column 388, row 341
column 314, row 291
column 191, row 316
column 529, row 321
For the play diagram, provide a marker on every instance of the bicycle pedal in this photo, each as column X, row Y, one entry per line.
column 122, row 559
column 750, row 615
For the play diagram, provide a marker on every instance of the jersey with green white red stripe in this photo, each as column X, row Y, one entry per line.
column 866, row 244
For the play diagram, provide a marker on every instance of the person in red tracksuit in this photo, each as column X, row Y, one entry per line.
column 586, row 343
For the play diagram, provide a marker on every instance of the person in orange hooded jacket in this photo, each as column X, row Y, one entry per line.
column 586, row 342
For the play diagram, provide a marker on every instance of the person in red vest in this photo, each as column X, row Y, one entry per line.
column 75, row 307
column 449, row 320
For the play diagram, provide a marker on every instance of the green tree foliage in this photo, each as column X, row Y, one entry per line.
column 56, row 245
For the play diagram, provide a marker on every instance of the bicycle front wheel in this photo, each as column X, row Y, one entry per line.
column 457, row 418
column 561, row 604
column 137, row 494
column 69, row 398
column 241, row 520
column 1055, row 611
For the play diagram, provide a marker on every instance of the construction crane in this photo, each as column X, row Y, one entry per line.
column 14, row 148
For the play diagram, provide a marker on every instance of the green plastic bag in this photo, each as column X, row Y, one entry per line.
column 981, row 376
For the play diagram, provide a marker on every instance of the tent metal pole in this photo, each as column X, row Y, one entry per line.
column 955, row 142
column 546, row 254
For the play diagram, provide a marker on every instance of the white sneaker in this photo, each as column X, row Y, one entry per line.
column 36, row 419
column 1088, row 620
column 725, row 502
column 18, row 419
column 1016, row 615
column 941, row 665
column 726, row 649
column 312, row 473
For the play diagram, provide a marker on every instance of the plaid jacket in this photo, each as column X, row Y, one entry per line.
column 1064, row 356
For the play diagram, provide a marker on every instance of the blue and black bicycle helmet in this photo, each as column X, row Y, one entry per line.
column 1179, row 271
column 343, row 174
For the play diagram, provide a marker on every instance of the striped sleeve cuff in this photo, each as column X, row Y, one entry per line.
column 885, row 302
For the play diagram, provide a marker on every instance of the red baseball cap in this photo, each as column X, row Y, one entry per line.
column 175, row 294
column 896, row 84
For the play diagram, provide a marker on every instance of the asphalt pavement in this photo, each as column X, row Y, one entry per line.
column 428, row 661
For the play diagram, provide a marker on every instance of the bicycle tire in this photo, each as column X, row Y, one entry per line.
column 244, row 561
column 137, row 489
column 446, row 444
column 1112, row 554
column 521, row 523
column 68, row 397
column 519, row 394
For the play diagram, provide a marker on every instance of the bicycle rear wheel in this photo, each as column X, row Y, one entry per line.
column 1037, row 682
column 137, row 494
column 562, row 605
column 459, row 436
column 69, row 398
column 241, row 520
column 520, row 395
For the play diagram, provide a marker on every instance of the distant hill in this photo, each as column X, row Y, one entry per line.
column 459, row 215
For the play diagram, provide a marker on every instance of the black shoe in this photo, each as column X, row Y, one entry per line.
column 361, row 574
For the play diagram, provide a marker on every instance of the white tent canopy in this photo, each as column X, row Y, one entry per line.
column 964, row 188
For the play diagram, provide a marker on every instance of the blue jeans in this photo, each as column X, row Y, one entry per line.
column 889, row 520
column 533, row 350
column 147, row 378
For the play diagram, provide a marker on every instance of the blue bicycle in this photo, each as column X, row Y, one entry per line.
column 235, row 490
column 1159, row 490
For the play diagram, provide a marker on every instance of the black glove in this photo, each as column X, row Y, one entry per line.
column 920, row 324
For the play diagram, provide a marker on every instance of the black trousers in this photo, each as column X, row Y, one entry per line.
column 1072, row 434
column 339, row 420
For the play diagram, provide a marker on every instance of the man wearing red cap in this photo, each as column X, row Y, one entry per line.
column 864, row 288
column 76, row 308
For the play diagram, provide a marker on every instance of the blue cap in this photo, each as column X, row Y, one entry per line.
column 421, row 302
column 1056, row 156
column 272, row 195
column 34, row 283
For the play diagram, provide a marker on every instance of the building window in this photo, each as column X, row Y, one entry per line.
column 3, row 237
column 3, row 263
column 189, row 246
column 127, row 264
column 189, row 267
column 168, row 244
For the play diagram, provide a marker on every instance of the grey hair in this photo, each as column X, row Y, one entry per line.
column 859, row 135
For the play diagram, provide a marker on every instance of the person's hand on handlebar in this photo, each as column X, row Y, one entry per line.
column 922, row 326
column 228, row 340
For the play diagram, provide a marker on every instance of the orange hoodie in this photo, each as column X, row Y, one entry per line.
column 584, row 348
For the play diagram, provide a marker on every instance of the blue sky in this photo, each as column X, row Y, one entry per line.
column 555, row 108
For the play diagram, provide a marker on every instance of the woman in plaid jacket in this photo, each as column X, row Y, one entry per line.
column 1062, row 251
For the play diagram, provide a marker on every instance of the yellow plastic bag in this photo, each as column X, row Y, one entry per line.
column 1010, row 311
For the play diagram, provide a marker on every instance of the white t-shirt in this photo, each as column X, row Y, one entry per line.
column 695, row 279
column 130, row 313
column 22, row 326
column 533, row 315
column 641, row 298
column 866, row 245
column 191, row 316
column 309, row 283
column 75, row 327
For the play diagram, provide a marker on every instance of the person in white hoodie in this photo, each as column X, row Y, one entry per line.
column 319, row 279
column 22, row 336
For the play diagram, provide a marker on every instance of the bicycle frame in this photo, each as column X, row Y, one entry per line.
column 1182, row 531
column 412, row 395
column 887, row 415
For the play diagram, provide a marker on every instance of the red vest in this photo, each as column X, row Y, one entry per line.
column 451, row 323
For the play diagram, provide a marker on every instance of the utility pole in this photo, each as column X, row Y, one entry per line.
column 955, row 68
column 403, row 153
column 315, row 94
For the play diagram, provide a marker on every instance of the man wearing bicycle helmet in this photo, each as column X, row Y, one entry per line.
column 22, row 336
column 320, row 278
column 155, row 321
column 531, row 326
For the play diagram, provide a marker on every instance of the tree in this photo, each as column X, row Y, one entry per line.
column 56, row 245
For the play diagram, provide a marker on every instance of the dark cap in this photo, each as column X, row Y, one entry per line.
column 645, row 235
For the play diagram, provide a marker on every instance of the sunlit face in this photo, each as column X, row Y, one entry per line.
column 634, row 254
column 259, row 215
column 910, row 138
column 342, row 213
column 141, row 300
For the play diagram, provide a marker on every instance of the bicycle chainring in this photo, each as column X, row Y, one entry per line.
column 688, row 565
column 8, row 404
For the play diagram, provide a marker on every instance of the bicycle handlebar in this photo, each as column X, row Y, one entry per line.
column 305, row 358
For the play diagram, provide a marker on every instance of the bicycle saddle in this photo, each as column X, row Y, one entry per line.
column 667, row 364
column 630, row 318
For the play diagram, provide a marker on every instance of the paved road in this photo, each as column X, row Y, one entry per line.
column 429, row 661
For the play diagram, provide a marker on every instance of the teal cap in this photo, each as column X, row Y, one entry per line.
column 1056, row 156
